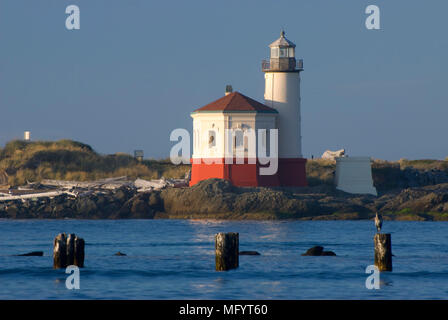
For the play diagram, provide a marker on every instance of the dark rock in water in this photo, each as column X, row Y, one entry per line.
column 314, row 251
column 318, row 251
column 31, row 254
column 120, row 254
column 249, row 253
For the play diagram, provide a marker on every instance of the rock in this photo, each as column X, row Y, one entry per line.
column 120, row 254
column 31, row 254
column 215, row 196
column 155, row 202
column 135, row 208
column 207, row 196
column 318, row 251
column 86, row 206
column 124, row 193
column 188, row 176
column 3, row 178
column 331, row 155
column 314, row 251
column 139, row 206
column 249, row 253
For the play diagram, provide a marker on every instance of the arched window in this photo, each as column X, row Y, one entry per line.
column 211, row 138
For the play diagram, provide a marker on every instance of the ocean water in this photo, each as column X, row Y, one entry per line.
column 174, row 259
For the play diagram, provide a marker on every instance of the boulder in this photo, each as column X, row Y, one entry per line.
column 3, row 178
column 123, row 194
column 155, row 202
column 249, row 253
column 331, row 155
column 318, row 251
column 135, row 208
column 215, row 196
column 85, row 206
column 314, row 251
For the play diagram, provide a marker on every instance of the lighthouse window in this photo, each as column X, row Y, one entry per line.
column 274, row 53
column 291, row 52
column 283, row 52
column 239, row 138
column 211, row 138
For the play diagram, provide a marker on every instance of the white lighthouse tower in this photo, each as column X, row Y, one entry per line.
column 282, row 92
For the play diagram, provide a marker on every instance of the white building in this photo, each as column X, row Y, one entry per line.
column 241, row 115
column 236, row 111
column 354, row 175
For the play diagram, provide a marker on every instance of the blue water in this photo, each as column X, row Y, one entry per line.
column 174, row 259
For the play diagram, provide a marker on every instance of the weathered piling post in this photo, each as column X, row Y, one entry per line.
column 383, row 251
column 68, row 251
column 60, row 251
column 226, row 251
column 79, row 252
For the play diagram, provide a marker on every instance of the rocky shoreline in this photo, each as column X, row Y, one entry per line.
column 218, row 199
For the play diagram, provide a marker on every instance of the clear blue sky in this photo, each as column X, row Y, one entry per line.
column 137, row 68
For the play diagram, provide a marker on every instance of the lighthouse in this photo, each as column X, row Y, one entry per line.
column 244, row 117
column 282, row 93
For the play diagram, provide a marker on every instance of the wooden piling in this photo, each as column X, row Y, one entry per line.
column 79, row 252
column 226, row 251
column 60, row 251
column 68, row 251
column 383, row 251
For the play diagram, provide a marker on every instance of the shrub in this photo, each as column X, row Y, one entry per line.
column 72, row 160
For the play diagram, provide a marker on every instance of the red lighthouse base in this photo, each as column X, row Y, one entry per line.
column 291, row 172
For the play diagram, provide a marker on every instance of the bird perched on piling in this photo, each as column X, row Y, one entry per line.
column 378, row 222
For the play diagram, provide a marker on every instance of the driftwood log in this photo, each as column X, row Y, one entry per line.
column 68, row 251
column 383, row 251
column 226, row 251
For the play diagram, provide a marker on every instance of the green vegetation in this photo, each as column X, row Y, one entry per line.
column 387, row 175
column 320, row 171
column 70, row 160
column 425, row 164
